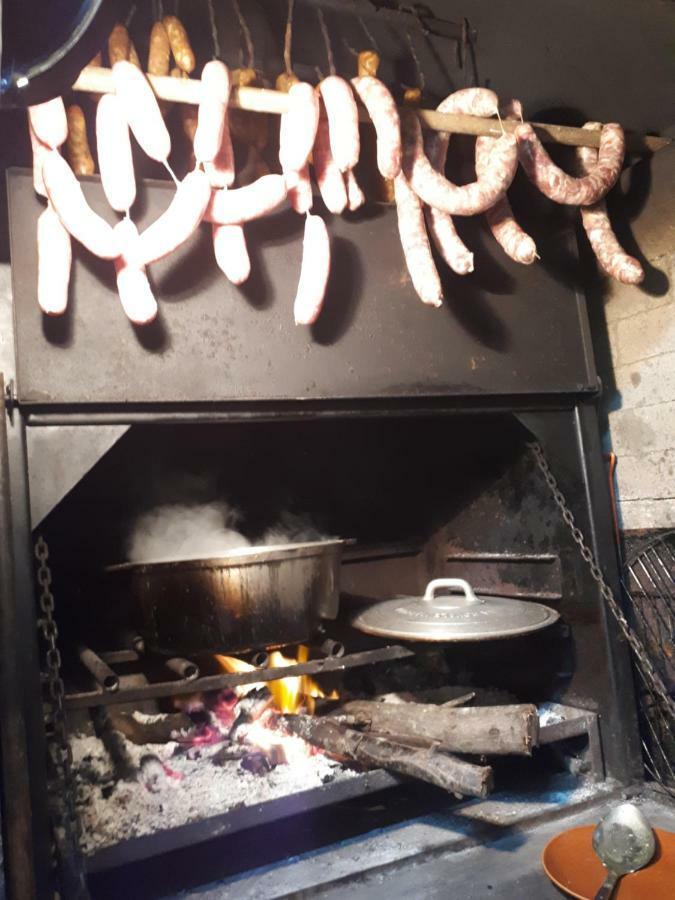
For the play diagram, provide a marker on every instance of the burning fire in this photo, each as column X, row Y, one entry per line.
column 294, row 694
column 291, row 694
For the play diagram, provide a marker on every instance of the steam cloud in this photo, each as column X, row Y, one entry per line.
column 200, row 531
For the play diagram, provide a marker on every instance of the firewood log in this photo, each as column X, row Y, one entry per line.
column 371, row 751
column 490, row 730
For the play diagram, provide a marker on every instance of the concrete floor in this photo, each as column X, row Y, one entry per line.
column 428, row 858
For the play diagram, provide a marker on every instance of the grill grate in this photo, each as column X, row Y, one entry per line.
column 649, row 587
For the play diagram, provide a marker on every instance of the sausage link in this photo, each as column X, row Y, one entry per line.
column 215, row 95
column 343, row 121
column 178, row 221
column 77, row 146
column 114, row 154
column 314, row 271
column 229, row 245
column 355, row 196
column 381, row 108
column 133, row 287
column 180, row 43
column 515, row 242
column 142, row 110
column 415, row 243
column 450, row 245
column 221, row 169
column 65, row 195
column 159, row 51
column 327, row 173
column 48, row 121
column 300, row 190
column 563, row 188
column 246, row 203
column 298, row 127
column 610, row 255
column 118, row 44
column 54, row 260
column 437, row 191
column 40, row 152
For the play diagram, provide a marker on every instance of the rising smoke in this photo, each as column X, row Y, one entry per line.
column 203, row 530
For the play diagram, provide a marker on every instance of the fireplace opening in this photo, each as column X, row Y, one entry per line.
column 184, row 730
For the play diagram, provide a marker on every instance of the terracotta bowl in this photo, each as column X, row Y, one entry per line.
column 571, row 864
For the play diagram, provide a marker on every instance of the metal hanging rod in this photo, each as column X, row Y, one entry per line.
column 97, row 80
column 407, row 16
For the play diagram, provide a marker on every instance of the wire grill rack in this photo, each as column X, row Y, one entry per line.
column 649, row 587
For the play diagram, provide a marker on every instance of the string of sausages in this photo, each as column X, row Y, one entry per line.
column 320, row 127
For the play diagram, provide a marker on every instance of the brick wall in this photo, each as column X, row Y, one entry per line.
column 640, row 398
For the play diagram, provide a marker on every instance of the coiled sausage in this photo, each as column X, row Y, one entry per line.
column 563, row 188
column 515, row 242
column 437, row 191
column 610, row 255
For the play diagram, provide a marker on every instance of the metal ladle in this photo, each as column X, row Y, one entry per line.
column 625, row 842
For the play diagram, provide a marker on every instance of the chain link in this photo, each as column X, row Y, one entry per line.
column 67, row 824
column 639, row 650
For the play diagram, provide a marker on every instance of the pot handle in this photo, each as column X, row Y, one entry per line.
column 440, row 601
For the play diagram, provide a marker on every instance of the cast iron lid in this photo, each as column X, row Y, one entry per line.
column 451, row 616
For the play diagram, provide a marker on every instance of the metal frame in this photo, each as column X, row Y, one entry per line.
column 27, row 860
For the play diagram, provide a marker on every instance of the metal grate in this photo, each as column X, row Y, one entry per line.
column 649, row 586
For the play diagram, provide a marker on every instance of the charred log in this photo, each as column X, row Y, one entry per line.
column 371, row 751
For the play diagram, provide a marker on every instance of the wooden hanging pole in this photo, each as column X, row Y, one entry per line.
column 96, row 80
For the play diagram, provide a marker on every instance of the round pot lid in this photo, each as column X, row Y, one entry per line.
column 450, row 611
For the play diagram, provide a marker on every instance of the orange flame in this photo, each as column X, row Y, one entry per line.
column 290, row 694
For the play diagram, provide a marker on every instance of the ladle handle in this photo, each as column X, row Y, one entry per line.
column 439, row 583
column 608, row 885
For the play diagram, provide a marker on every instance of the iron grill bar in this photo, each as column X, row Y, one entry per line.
column 233, row 679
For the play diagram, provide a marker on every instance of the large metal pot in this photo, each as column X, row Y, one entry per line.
column 262, row 597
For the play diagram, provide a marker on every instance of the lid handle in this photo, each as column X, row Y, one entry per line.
column 438, row 584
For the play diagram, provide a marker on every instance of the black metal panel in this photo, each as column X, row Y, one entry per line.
column 505, row 330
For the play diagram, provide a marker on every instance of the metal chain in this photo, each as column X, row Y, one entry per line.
column 67, row 824
column 641, row 653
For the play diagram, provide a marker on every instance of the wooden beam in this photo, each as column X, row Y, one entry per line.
column 97, row 80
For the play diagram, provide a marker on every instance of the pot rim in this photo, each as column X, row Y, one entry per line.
column 240, row 557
